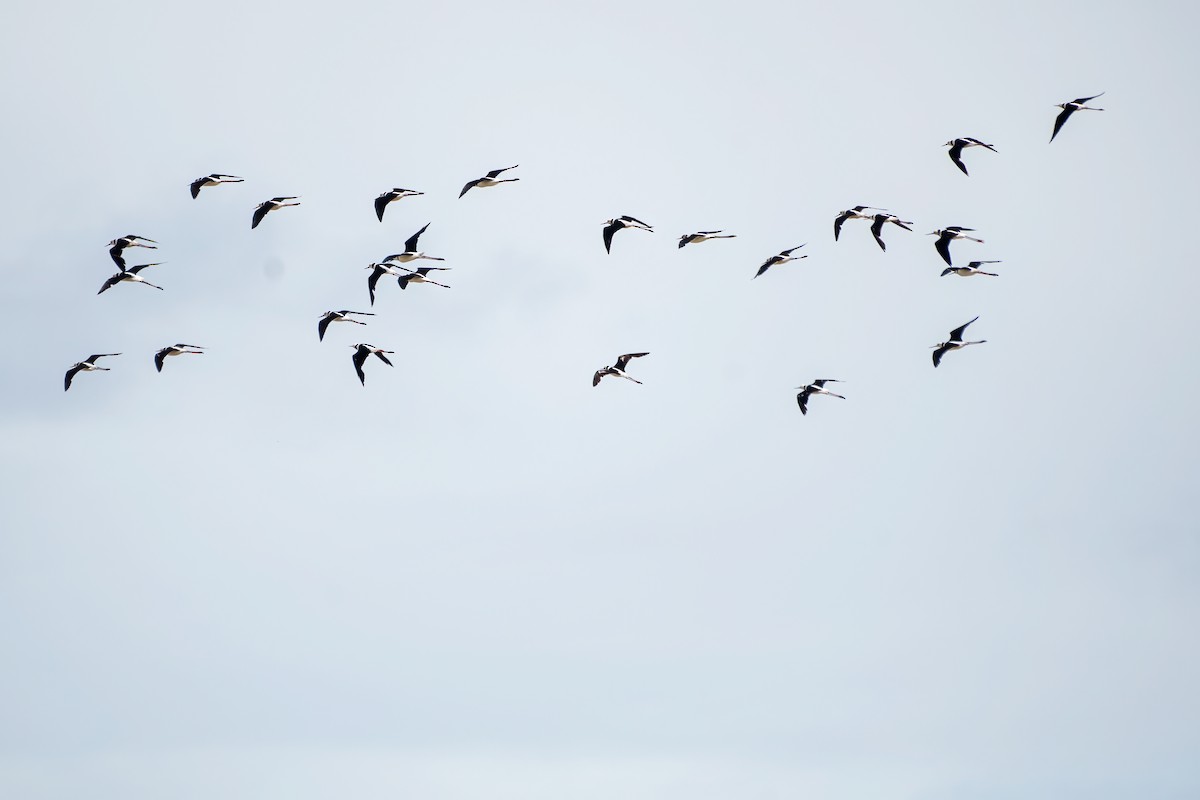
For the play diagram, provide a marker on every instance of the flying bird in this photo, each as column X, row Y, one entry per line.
column 783, row 257
column 338, row 316
column 617, row 369
column 1070, row 108
column 215, row 179
column 117, row 247
column 704, row 236
column 491, row 179
column 410, row 250
column 378, row 271
column 955, row 342
column 958, row 145
column 614, row 225
column 816, row 387
column 362, row 352
column 420, row 275
column 970, row 269
column 268, row 206
column 129, row 275
column 87, row 365
column 391, row 196
column 852, row 213
column 880, row 221
column 947, row 235
column 176, row 350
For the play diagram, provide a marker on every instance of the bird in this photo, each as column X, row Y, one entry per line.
column 410, row 250
column 130, row 275
column 704, row 236
column 614, row 225
column 87, row 365
column 880, row 221
column 783, row 257
column 958, row 145
column 378, row 271
column 955, row 342
column 617, row 369
column 852, row 213
column 1070, row 108
column 390, row 196
column 948, row 234
column 176, row 350
column 491, row 179
column 338, row 316
column 215, row 179
column 420, row 275
column 362, row 352
column 970, row 269
column 117, row 247
column 268, row 206
column 816, row 387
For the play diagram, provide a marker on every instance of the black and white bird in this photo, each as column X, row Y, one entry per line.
column 955, row 342
column 614, row 225
column 491, row 179
column 858, row 212
column 378, row 271
column 87, row 365
column 176, row 350
column 704, row 236
column 362, row 352
column 880, row 221
column 617, row 369
column 338, row 316
column 783, row 257
column 816, row 387
column 131, row 276
column 267, row 206
column 958, row 145
column 215, row 179
column 410, row 250
column 1070, row 108
column 970, row 269
column 391, row 196
column 117, row 247
column 420, row 275
column 947, row 235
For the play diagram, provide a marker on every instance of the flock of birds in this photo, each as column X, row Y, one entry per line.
column 394, row 265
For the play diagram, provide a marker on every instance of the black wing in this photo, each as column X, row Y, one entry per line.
column 1060, row 120
column 956, row 156
column 384, row 359
column 837, row 224
column 957, row 334
column 360, row 356
column 943, row 246
column 410, row 245
column 158, row 358
column 372, row 280
column 118, row 259
column 877, row 230
column 638, row 221
column 496, row 172
column 609, row 230
column 196, row 184
column 71, row 374
column 322, row 325
column 766, row 265
column 468, row 188
column 982, row 144
column 802, row 400
column 259, row 213
column 111, row 282
column 381, row 203
column 623, row 361
column 938, row 353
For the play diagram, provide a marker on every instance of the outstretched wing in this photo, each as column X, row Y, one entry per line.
column 957, row 334
column 259, row 213
column 195, row 187
column 943, row 247
column 623, row 361
column 609, row 230
column 410, row 244
column 381, row 203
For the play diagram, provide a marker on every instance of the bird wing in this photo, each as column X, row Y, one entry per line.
column 938, row 353
column 638, row 221
column 685, row 239
column 943, row 246
column 957, row 334
column 111, row 282
column 92, row 358
column 837, row 224
column 496, row 172
column 1061, row 119
column 623, row 361
column 384, row 358
column 372, row 280
column 381, row 204
column 877, row 230
column 158, row 358
column 609, row 230
column 802, row 399
column 195, row 187
column 1081, row 100
column 468, row 188
column 982, row 144
column 766, row 265
column 359, row 357
column 600, row 373
column 410, row 244
column 70, row 374
column 956, row 157
column 259, row 213
column 118, row 259
column 322, row 325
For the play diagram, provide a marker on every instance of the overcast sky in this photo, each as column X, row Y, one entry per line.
column 478, row 576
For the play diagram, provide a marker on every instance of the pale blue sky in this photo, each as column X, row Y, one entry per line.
column 250, row 577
